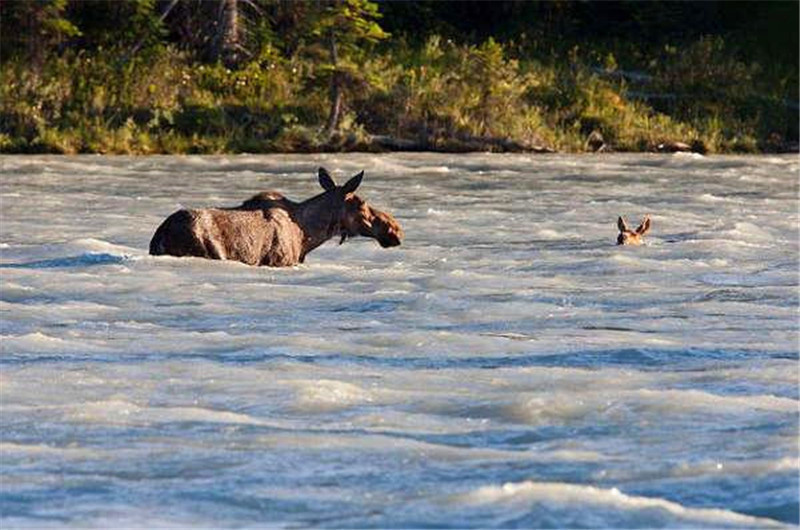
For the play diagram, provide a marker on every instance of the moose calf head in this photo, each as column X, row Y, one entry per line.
column 632, row 237
column 359, row 218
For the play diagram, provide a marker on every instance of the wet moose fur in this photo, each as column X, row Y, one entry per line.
column 269, row 229
column 632, row 237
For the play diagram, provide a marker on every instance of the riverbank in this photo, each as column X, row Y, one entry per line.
column 440, row 96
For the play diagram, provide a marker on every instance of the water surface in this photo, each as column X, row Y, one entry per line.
column 507, row 366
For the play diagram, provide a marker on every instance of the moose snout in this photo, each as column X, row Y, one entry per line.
column 387, row 242
column 390, row 236
column 386, row 230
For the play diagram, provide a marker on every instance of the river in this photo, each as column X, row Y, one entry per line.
column 507, row 366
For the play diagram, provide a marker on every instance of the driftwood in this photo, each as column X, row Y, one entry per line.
column 460, row 143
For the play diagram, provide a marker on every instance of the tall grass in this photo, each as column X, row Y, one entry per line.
column 440, row 96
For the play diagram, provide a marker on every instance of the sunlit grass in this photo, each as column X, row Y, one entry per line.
column 442, row 95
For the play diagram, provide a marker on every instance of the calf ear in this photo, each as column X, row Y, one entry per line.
column 644, row 227
column 351, row 185
column 325, row 180
column 622, row 225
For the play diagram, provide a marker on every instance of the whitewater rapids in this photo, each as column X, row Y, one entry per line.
column 507, row 366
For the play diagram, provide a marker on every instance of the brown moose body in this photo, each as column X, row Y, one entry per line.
column 269, row 229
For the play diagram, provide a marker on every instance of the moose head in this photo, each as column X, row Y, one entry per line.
column 632, row 237
column 359, row 218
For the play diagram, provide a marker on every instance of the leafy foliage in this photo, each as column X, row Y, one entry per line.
column 149, row 76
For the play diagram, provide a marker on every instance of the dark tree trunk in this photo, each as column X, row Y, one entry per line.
column 228, row 39
column 336, row 88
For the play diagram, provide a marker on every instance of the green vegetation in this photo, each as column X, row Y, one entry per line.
column 219, row 76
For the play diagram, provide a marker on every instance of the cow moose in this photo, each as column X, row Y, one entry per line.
column 269, row 229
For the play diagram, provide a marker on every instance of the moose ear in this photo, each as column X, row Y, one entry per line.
column 622, row 225
column 644, row 227
column 325, row 180
column 352, row 184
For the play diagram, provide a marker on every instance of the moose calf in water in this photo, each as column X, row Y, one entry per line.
column 632, row 237
column 269, row 229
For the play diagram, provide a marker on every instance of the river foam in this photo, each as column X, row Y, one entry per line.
column 507, row 366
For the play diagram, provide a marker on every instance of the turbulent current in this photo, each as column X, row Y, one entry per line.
column 507, row 366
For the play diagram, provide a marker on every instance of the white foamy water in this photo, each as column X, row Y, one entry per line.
column 507, row 366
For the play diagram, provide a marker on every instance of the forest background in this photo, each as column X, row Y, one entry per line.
column 260, row 76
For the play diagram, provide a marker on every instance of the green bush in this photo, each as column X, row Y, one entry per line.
column 437, row 95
